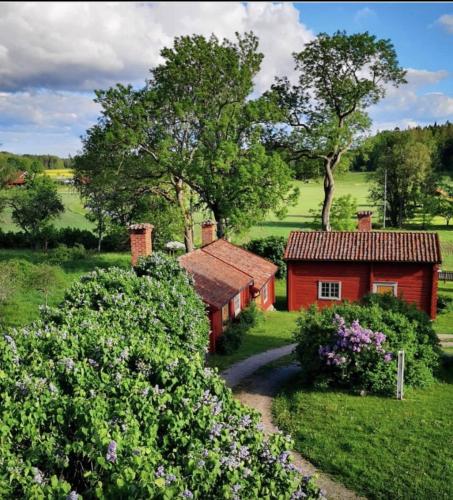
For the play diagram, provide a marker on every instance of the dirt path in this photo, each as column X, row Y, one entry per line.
column 257, row 391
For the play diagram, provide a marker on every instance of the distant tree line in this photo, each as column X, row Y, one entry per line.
column 410, row 173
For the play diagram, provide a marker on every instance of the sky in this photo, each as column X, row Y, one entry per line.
column 52, row 56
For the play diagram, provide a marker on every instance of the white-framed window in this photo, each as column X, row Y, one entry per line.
column 225, row 316
column 237, row 304
column 265, row 292
column 385, row 287
column 330, row 290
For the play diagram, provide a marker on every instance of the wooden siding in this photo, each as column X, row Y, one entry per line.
column 416, row 283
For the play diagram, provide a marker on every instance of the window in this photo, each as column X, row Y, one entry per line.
column 265, row 292
column 329, row 290
column 225, row 316
column 385, row 287
column 237, row 304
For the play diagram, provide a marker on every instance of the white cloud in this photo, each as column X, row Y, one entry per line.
column 446, row 21
column 90, row 44
column 412, row 104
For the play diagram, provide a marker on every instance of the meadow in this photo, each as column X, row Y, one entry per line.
column 297, row 217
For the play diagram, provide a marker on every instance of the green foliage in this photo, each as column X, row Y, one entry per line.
column 64, row 253
column 404, row 167
column 233, row 336
column 108, row 396
column 342, row 216
column 404, row 327
column 271, row 248
column 35, row 205
column 444, row 303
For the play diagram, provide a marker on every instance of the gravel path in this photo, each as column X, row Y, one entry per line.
column 257, row 391
column 242, row 369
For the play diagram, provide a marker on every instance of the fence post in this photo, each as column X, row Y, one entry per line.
column 400, row 377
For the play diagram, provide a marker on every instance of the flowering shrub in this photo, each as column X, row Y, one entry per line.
column 355, row 346
column 108, row 396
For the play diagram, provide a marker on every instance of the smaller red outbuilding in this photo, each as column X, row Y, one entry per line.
column 226, row 276
column 327, row 267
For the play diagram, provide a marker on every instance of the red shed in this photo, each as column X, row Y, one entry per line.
column 226, row 276
column 326, row 267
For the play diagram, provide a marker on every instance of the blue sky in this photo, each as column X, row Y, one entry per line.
column 53, row 55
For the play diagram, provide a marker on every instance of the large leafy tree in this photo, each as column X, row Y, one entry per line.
column 403, row 175
column 35, row 206
column 197, row 134
column 339, row 77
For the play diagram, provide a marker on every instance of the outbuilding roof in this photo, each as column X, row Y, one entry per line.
column 215, row 281
column 221, row 270
column 258, row 268
column 370, row 246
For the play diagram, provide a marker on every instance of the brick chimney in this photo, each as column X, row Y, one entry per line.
column 364, row 220
column 141, row 245
column 208, row 232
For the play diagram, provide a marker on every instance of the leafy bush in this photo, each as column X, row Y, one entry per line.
column 342, row 215
column 271, row 248
column 69, row 236
column 232, row 337
column 108, row 396
column 64, row 254
column 444, row 303
column 355, row 346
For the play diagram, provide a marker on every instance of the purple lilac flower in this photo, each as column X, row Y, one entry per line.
column 111, row 452
column 72, row 496
column 160, row 471
column 243, row 452
column 388, row 357
column 93, row 363
column 247, row 472
column 38, row 476
column 245, row 421
column 215, row 430
column 187, row 494
column 170, row 478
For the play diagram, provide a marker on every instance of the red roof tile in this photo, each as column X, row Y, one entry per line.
column 215, row 281
column 371, row 246
column 258, row 268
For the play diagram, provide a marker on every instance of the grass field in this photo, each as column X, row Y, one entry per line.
column 379, row 447
column 274, row 330
column 23, row 306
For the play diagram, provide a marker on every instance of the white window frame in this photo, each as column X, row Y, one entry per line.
column 392, row 284
column 237, row 304
column 265, row 292
column 322, row 297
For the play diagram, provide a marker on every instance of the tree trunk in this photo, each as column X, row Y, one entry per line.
column 329, row 188
column 187, row 216
column 99, row 241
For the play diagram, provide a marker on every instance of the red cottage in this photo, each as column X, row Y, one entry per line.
column 226, row 276
column 326, row 267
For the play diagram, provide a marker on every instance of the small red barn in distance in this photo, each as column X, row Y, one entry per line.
column 226, row 277
column 327, row 267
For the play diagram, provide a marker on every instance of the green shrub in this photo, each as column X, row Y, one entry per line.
column 373, row 368
column 107, row 396
column 232, row 337
column 271, row 248
column 444, row 303
column 64, row 253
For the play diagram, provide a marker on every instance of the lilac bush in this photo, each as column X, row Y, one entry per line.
column 108, row 397
column 354, row 346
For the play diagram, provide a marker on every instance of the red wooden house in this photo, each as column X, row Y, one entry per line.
column 18, row 180
column 326, row 267
column 226, row 276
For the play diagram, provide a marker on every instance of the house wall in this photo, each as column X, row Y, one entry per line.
column 215, row 319
column 265, row 305
column 245, row 299
column 416, row 283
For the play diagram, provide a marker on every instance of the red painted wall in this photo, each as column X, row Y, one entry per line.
column 417, row 283
column 264, row 305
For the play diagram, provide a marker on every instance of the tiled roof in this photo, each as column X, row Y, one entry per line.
column 215, row 281
column 371, row 246
column 258, row 268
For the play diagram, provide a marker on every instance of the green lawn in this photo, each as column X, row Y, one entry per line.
column 23, row 306
column 73, row 216
column 274, row 331
column 379, row 447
